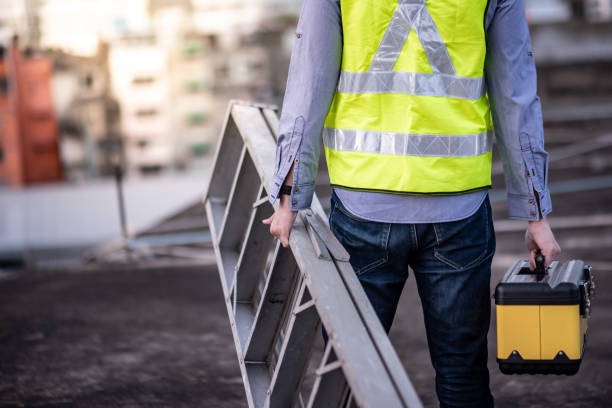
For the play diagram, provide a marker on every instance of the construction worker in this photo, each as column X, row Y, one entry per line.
column 406, row 96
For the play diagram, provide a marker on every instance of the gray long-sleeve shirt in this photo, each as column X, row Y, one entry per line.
column 511, row 84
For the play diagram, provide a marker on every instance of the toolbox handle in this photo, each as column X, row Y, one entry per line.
column 540, row 270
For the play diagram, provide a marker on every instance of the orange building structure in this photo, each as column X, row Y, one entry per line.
column 29, row 151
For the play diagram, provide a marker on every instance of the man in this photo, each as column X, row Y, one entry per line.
column 406, row 94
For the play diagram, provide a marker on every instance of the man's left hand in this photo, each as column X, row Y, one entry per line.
column 282, row 220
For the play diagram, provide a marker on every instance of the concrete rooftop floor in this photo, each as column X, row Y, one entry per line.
column 160, row 336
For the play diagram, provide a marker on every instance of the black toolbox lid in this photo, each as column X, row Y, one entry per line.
column 536, row 294
column 560, row 285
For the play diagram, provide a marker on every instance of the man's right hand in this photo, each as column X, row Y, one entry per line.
column 282, row 220
column 539, row 236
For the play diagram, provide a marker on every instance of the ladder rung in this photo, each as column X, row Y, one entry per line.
column 329, row 367
column 330, row 387
column 329, row 390
column 292, row 360
column 244, row 317
column 252, row 261
column 261, row 201
column 232, row 188
column 258, row 382
column 232, row 296
column 275, row 297
column 215, row 210
column 244, row 192
column 230, row 260
column 304, row 306
column 283, row 329
column 226, row 258
column 226, row 156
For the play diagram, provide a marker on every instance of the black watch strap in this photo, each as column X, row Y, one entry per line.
column 285, row 189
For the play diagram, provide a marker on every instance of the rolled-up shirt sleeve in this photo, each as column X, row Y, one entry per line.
column 311, row 84
column 516, row 110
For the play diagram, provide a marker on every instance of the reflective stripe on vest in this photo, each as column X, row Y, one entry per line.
column 403, row 144
column 385, row 121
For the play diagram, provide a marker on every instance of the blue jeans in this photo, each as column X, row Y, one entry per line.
column 452, row 266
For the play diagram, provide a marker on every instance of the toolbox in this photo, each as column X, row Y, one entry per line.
column 542, row 317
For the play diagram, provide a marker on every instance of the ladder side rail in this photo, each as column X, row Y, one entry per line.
column 350, row 339
column 372, row 323
column 381, row 340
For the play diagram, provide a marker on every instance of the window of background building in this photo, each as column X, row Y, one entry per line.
column 195, row 85
column 143, row 80
column 88, row 81
column 197, row 118
column 213, row 41
column 142, row 113
column 193, row 49
column 4, row 84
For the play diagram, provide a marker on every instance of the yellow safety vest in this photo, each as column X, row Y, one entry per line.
column 410, row 114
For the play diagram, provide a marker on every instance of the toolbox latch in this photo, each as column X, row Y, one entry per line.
column 587, row 291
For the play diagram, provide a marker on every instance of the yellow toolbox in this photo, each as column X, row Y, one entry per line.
column 542, row 317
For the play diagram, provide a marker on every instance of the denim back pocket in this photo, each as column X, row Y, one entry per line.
column 461, row 244
column 365, row 241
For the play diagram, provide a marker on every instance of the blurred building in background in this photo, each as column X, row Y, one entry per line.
column 598, row 10
column 147, row 82
column 141, row 83
column 28, row 127
column 552, row 11
column 239, row 49
column 89, row 126
column 572, row 45
column 189, row 103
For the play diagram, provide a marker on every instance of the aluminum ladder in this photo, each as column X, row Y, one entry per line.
column 278, row 297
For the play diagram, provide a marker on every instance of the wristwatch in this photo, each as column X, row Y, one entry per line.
column 285, row 189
